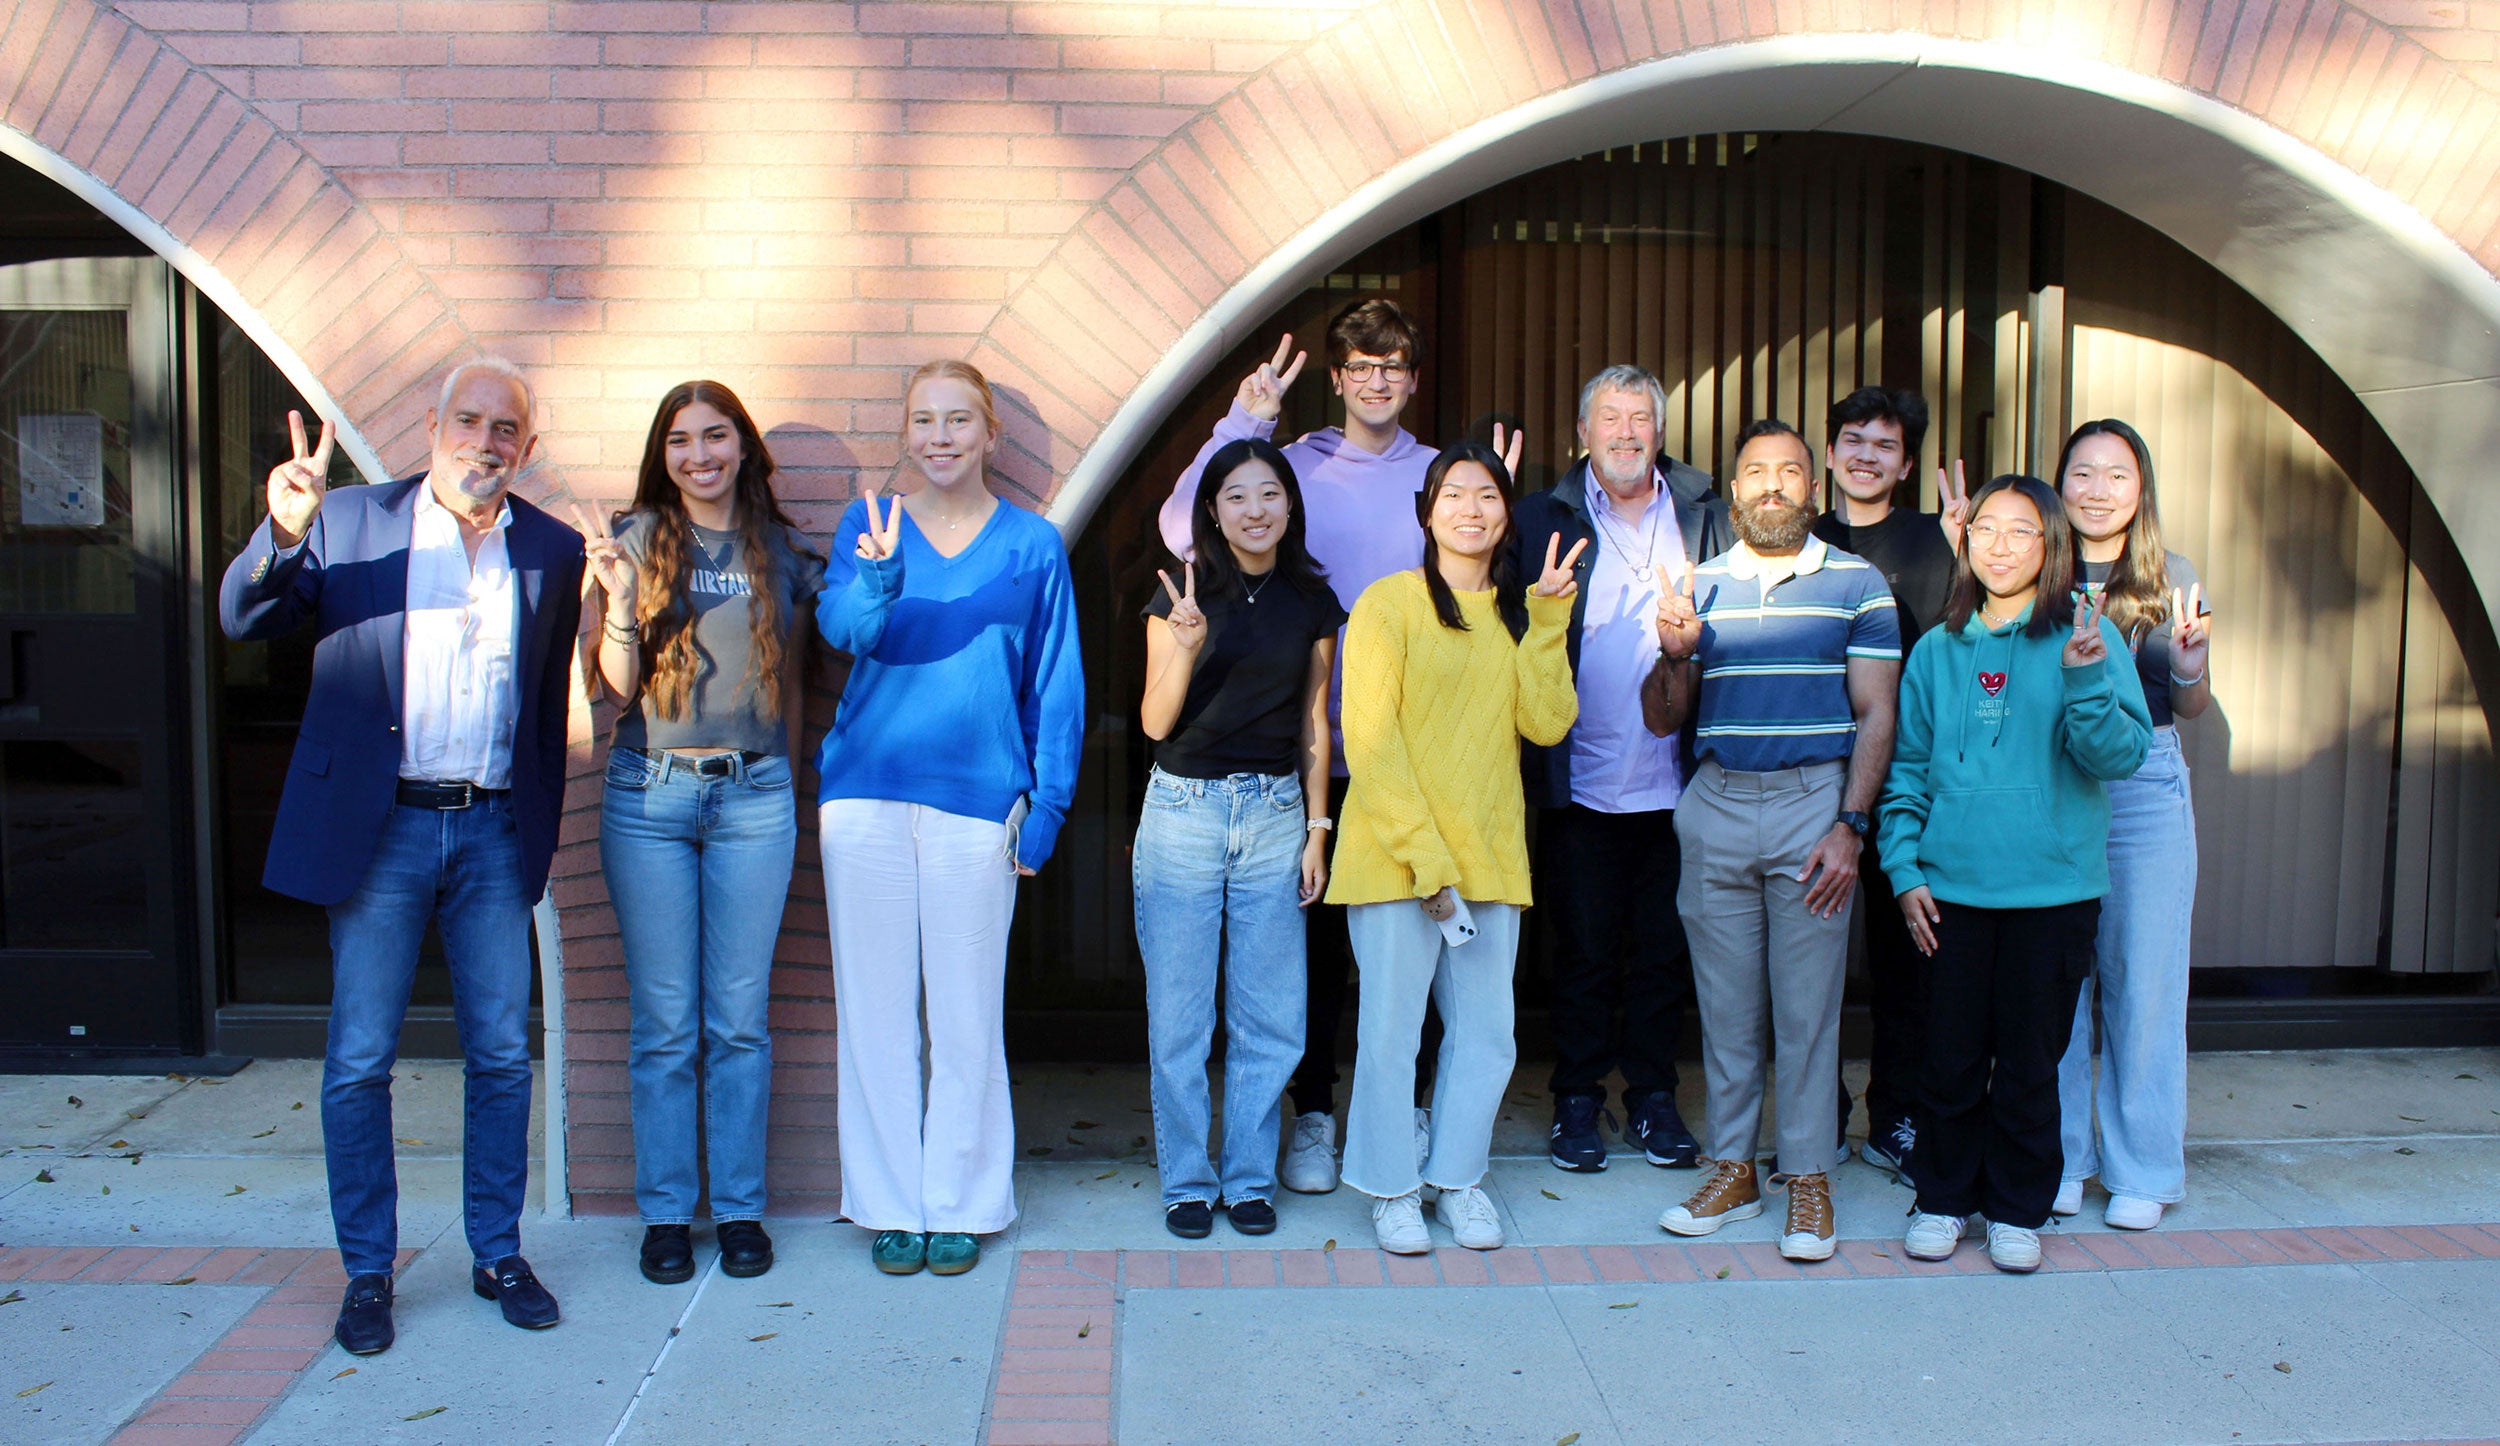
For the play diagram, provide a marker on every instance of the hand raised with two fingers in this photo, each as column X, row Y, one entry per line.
column 610, row 565
column 1262, row 393
column 1952, row 505
column 298, row 484
column 1679, row 622
column 882, row 537
column 1558, row 579
column 1509, row 443
column 2085, row 644
column 1188, row 620
column 2191, row 632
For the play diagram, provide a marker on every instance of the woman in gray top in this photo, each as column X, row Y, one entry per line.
column 709, row 588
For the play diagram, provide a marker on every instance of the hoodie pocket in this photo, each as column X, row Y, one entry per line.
column 1993, row 839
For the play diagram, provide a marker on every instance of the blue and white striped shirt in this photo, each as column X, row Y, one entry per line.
column 1775, row 654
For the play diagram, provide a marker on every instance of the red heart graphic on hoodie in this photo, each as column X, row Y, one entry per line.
column 1994, row 683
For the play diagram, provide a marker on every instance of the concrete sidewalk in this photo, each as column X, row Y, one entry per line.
column 2329, row 1279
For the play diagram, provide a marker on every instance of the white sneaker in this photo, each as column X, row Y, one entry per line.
column 2126, row 1212
column 2069, row 1199
column 1469, row 1215
column 1311, row 1159
column 1399, row 1225
column 1932, row 1237
column 2012, row 1248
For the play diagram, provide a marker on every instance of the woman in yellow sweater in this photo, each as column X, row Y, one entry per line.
column 1446, row 669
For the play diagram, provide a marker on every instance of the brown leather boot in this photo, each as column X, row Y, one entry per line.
column 1731, row 1193
column 1809, row 1234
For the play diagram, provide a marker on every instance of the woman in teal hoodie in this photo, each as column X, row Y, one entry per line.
column 1994, row 832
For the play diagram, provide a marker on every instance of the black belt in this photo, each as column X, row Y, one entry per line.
column 719, row 765
column 428, row 793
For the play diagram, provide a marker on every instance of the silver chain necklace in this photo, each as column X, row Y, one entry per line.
column 1251, row 594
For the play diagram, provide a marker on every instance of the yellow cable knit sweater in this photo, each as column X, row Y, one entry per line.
column 1433, row 719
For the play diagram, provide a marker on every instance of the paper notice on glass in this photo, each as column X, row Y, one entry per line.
column 60, row 470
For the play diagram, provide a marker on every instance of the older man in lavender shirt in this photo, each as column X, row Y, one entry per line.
column 1358, row 492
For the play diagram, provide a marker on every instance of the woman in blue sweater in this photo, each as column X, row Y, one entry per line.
column 1994, row 831
column 946, row 775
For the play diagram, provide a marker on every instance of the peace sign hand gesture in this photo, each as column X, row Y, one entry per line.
column 1952, row 505
column 1679, row 623
column 1509, row 449
column 881, row 537
column 610, row 564
column 1262, row 393
column 2085, row 644
column 1558, row 580
column 2190, row 632
column 297, row 485
column 1189, row 624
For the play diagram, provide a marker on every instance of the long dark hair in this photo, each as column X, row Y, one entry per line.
column 2136, row 595
column 763, row 530
column 2053, row 606
column 1508, row 595
column 1218, row 575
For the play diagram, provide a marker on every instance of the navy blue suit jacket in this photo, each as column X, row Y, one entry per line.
column 350, row 580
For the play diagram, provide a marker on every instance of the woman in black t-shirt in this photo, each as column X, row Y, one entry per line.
column 1238, row 656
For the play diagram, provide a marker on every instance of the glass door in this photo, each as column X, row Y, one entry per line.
column 92, row 823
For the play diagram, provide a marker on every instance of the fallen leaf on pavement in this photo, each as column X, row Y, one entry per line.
column 1625, row 1305
column 237, row 1190
column 1548, row 1194
column 186, row 1280
column 107, row 1190
column 2284, row 1366
column 780, row 1304
column 2469, row 1076
column 43, row 1177
column 13, row 1297
column 1567, row 1440
column 768, row 1335
column 1722, row 1275
column 1084, row 1125
column 265, row 1134
column 403, row 1139
column 1329, row 1244
column 299, row 1104
column 428, row 1411
column 2416, row 1119
column 1107, row 1174
column 343, row 1375
column 2404, row 1150
column 30, row 1390
column 1085, row 1330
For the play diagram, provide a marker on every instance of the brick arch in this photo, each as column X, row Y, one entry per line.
column 191, row 169
column 2368, row 158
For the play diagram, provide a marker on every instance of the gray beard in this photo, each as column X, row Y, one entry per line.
column 1780, row 529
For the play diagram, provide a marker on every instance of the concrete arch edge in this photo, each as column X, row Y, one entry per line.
column 2401, row 312
column 202, row 273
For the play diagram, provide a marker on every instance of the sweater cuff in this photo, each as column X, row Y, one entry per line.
column 1905, row 877
column 1549, row 612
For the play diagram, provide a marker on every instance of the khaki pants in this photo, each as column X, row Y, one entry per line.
column 1767, row 972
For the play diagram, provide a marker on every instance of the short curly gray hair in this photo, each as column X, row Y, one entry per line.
column 1625, row 377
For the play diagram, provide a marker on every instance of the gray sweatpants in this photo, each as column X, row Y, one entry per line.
column 1766, row 970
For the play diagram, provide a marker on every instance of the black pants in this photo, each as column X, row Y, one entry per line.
column 1998, row 1006
column 1893, row 965
column 1622, row 973
column 1328, row 962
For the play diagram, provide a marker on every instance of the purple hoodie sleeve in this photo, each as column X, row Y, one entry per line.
column 1173, row 520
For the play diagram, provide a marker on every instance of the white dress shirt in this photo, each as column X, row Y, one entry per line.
column 1617, row 764
column 458, row 706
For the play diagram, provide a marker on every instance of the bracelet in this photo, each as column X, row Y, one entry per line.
column 618, row 634
column 1317, row 824
column 2178, row 682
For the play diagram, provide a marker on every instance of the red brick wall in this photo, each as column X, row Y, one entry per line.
column 803, row 199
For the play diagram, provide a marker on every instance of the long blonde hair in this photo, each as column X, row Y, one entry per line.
column 952, row 369
column 2137, row 595
column 666, row 621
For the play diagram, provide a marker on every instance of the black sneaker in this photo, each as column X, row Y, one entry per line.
column 1888, row 1149
column 1654, row 1124
column 745, row 1250
column 667, row 1254
column 1252, row 1217
column 1577, row 1146
column 364, row 1326
column 1190, row 1219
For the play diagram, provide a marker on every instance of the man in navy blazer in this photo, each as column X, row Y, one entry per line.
column 425, row 786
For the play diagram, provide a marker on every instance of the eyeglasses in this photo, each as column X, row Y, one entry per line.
column 1361, row 371
column 1988, row 534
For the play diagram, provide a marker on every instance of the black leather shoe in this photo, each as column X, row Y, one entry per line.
column 667, row 1254
column 364, row 1327
column 511, row 1284
column 1252, row 1217
column 1190, row 1219
column 745, row 1249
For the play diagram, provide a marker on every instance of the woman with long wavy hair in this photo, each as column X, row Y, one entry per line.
column 2129, row 1125
column 709, row 590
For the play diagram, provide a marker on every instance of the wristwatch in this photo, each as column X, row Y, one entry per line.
column 1858, row 822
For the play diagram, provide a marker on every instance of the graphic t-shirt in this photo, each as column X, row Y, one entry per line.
column 726, row 708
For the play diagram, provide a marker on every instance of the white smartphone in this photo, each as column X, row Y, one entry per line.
column 1015, row 827
column 1460, row 926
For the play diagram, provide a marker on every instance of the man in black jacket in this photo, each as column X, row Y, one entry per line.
column 1606, row 795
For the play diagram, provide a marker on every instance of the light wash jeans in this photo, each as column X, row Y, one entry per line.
column 1219, row 872
column 2141, row 981
column 461, row 868
column 698, row 870
column 1403, row 958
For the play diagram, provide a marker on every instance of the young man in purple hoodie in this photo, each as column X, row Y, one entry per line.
column 1358, row 493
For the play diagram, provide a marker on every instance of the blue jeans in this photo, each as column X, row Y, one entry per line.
column 460, row 868
column 2141, row 981
column 698, row 870
column 1219, row 872
column 1404, row 959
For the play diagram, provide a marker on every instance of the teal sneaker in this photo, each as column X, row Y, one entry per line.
column 899, row 1252
column 953, row 1253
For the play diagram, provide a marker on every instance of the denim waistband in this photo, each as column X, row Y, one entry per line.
column 1265, row 784
column 714, row 766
